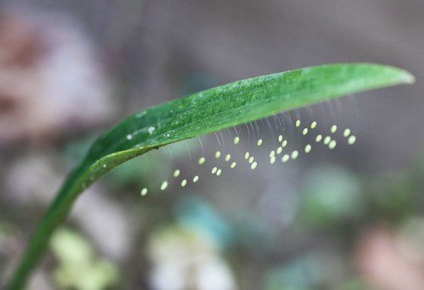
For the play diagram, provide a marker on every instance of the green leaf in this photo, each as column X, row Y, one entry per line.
column 200, row 114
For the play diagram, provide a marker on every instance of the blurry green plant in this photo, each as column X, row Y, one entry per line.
column 79, row 268
column 199, row 114
column 331, row 196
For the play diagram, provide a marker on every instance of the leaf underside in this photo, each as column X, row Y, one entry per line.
column 233, row 104
column 203, row 113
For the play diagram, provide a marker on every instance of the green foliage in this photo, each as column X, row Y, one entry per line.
column 311, row 271
column 79, row 268
column 331, row 196
column 200, row 114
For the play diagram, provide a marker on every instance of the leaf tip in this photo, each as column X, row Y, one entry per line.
column 408, row 78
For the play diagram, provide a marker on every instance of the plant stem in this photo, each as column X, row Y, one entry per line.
column 37, row 245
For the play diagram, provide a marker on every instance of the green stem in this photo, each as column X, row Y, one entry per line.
column 78, row 180
column 36, row 247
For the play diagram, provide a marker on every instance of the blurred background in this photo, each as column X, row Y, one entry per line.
column 348, row 218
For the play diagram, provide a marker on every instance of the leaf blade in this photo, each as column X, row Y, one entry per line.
column 244, row 101
column 199, row 114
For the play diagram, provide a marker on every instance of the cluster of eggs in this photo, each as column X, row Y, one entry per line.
column 221, row 161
